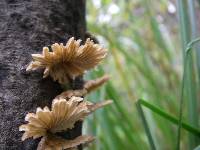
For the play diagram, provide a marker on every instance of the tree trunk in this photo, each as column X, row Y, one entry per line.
column 25, row 27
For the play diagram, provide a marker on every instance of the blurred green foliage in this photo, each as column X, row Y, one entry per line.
column 143, row 38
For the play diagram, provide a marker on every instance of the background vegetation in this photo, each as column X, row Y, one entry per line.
column 147, row 42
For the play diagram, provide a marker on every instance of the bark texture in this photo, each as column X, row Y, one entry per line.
column 25, row 27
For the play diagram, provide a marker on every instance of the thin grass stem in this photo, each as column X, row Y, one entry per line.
column 146, row 127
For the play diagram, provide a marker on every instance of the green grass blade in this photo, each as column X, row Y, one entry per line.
column 188, row 50
column 171, row 118
column 183, row 21
column 194, row 31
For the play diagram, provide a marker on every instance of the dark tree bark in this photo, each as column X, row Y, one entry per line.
column 25, row 27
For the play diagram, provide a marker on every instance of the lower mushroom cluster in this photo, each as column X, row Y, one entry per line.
column 65, row 111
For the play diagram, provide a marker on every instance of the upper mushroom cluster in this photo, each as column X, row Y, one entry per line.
column 68, row 61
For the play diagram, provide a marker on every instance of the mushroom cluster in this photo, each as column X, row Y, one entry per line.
column 65, row 62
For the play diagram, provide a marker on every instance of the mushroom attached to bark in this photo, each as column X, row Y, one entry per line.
column 68, row 61
column 62, row 116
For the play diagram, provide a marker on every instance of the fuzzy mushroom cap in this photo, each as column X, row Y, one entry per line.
column 68, row 61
